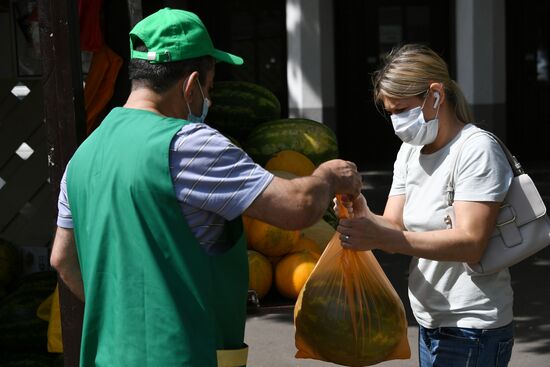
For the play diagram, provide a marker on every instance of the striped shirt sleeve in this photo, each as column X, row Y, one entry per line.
column 64, row 216
column 213, row 180
column 212, row 174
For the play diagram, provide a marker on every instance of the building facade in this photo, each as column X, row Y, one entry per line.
column 317, row 56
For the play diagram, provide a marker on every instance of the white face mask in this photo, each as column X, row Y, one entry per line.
column 411, row 127
column 205, row 105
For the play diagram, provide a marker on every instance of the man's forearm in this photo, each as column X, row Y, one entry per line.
column 300, row 202
column 64, row 259
column 292, row 204
column 73, row 280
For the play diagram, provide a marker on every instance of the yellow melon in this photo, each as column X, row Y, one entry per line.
column 260, row 273
column 267, row 239
column 274, row 259
column 293, row 270
column 291, row 161
column 305, row 243
column 321, row 232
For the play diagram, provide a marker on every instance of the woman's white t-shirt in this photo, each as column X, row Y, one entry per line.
column 441, row 292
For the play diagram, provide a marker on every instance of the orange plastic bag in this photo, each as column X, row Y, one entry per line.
column 348, row 312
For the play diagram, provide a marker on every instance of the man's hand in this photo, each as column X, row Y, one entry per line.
column 342, row 176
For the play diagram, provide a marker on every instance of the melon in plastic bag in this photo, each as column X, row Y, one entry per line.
column 348, row 312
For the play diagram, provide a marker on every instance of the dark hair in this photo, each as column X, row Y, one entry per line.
column 162, row 76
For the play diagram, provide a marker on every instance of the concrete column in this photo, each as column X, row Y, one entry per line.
column 481, row 60
column 310, row 60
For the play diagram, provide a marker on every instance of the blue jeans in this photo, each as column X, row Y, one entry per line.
column 461, row 347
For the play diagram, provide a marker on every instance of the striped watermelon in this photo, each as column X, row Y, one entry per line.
column 237, row 107
column 311, row 138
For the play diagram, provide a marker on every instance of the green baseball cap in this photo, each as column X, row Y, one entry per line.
column 175, row 35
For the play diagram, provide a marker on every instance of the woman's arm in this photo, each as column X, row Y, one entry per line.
column 465, row 242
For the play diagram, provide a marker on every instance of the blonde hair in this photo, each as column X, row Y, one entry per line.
column 409, row 70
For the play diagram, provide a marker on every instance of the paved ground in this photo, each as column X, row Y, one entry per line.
column 270, row 331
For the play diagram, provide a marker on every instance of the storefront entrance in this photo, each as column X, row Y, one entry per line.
column 528, row 81
column 363, row 32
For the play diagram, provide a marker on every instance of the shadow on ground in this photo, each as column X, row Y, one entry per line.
column 530, row 281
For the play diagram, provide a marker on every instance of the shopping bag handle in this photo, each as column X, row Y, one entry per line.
column 342, row 210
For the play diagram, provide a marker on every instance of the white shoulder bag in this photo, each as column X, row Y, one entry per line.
column 522, row 228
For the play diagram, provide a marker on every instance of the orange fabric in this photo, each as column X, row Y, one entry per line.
column 348, row 312
column 100, row 84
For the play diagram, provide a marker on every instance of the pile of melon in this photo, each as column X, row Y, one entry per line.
column 250, row 116
column 281, row 260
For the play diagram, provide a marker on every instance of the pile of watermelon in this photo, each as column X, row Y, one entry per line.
column 250, row 115
column 238, row 107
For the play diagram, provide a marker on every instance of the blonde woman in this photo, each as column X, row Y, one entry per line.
column 463, row 320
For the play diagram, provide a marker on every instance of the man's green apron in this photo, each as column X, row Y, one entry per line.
column 153, row 296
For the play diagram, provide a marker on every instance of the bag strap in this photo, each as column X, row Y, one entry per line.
column 517, row 169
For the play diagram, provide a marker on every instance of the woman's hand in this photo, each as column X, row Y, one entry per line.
column 356, row 208
column 360, row 233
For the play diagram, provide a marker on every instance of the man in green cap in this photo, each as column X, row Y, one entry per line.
column 149, row 230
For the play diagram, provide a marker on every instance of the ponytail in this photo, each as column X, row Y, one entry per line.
column 462, row 108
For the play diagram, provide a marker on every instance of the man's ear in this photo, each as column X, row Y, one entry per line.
column 188, row 85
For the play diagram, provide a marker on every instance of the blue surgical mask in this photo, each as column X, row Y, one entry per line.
column 411, row 127
column 205, row 106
